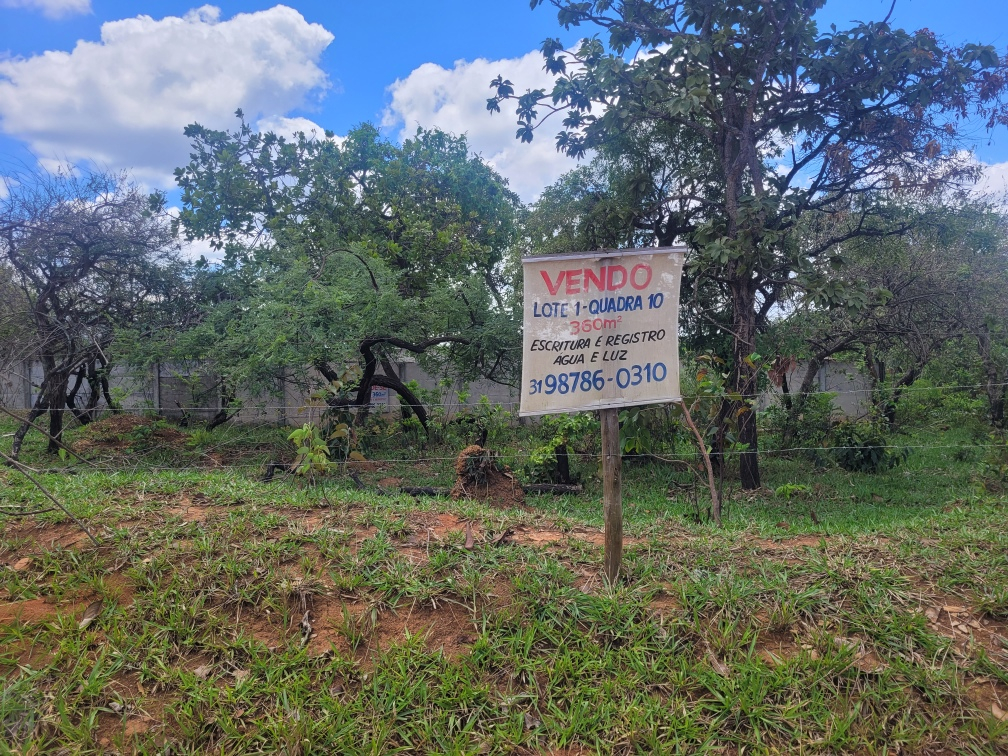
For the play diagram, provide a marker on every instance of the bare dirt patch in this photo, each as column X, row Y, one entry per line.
column 436, row 526
column 447, row 627
column 355, row 629
column 775, row 647
column 788, row 544
column 30, row 611
column 41, row 535
column 965, row 626
column 990, row 696
column 480, row 477
column 664, row 605
column 121, row 431
column 38, row 610
column 191, row 508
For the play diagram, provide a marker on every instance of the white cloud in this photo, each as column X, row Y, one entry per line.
column 122, row 102
column 51, row 8
column 197, row 248
column 993, row 184
column 454, row 100
column 289, row 127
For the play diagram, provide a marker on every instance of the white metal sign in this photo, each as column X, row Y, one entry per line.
column 601, row 330
column 379, row 397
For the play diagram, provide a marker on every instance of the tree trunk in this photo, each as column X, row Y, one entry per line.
column 103, row 380
column 37, row 411
column 91, row 408
column 54, row 387
column 227, row 397
column 744, row 378
column 996, row 396
column 71, row 397
column 393, row 382
column 995, row 389
column 56, row 410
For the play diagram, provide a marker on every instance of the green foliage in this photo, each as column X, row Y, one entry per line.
column 337, row 420
column 89, row 253
column 312, row 450
column 489, row 420
column 860, row 446
column 635, row 433
column 807, row 424
column 789, row 491
column 993, row 475
column 923, row 402
column 366, row 250
column 550, row 462
column 705, row 388
column 766, row 160
column 200, row 438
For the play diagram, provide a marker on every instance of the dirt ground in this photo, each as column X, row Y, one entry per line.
column 329, row 620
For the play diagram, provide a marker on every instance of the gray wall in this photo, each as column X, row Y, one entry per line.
column 179, row 390
column 852, row 388
column 187, row 390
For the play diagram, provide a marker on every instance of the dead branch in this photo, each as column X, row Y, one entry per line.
column 24, row 471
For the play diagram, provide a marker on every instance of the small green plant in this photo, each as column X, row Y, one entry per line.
column 357, row 629
column 635, row 435
column 66, row 458
column 200, row 438
column 861, row 447
column 791, row 490
column 312, row 450
column 550, row 462
column 490, row 421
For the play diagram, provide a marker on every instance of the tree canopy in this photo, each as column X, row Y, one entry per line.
column 828, row 128
column 90, row 253
column 349, row 253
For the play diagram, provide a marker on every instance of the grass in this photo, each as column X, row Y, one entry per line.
column 238, row 616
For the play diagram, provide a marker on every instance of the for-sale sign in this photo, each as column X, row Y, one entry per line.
column 601, row 330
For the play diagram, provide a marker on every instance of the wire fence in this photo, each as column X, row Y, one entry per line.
column 457, row 403
column 213, row 453
column 203, row 460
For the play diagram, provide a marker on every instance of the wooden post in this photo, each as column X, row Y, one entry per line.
column 612, row 500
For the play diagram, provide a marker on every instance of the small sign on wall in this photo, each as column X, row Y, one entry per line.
column 601, row 330
column 380, row 397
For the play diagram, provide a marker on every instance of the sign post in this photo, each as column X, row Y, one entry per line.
column 601, row 332
column 612, row 496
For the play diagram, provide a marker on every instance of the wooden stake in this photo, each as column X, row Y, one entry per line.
column 702, row 446
column 612, row 500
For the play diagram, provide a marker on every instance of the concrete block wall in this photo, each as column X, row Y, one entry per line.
column 172, row 390
column 852, row 388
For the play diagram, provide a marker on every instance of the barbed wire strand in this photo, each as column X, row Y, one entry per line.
column 307, row 408
column 223, row 466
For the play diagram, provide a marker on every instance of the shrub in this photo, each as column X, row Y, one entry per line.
column 550, row 462
column 993, row 476
column 807, row 424
column 861, row 447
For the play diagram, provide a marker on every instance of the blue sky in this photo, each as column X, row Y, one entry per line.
column 88, row 79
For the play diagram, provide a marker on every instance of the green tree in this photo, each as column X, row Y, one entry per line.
column 907, row 297
column 90, row 253
column 350, row 252
column 799, row 121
